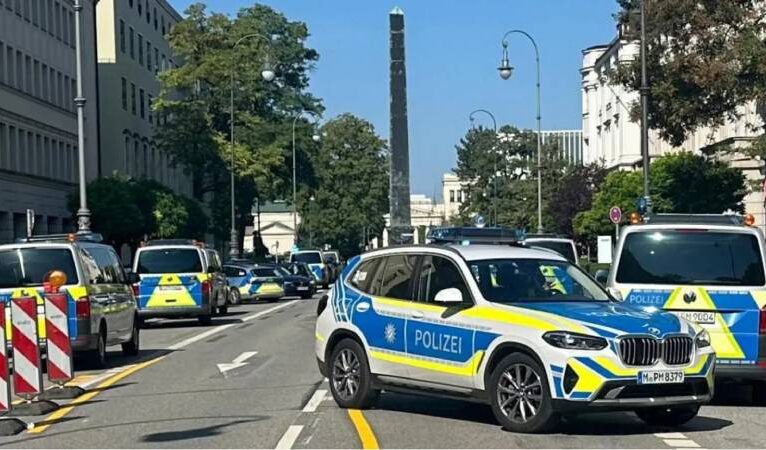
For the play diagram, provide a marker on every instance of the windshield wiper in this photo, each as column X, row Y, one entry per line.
column 725, row 281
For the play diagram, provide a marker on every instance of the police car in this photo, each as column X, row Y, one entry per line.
column 708, row 269
column 466, row 318
column 316, row 263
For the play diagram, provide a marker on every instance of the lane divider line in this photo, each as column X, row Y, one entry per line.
column 670, row 435
column 291, row 435
column 315, row 400
column 363, row 429
column 681, row 443
column 63, row 411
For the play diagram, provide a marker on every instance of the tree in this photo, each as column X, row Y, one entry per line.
column 195, row 101
column 352, row 167
column 572, row 193
column 704, row 58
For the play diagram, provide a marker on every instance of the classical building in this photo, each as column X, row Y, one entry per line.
column 425, row 213
column 454, row 193
column 610, row 136
column 275, row 222
column 38, row 120
column 132, row 51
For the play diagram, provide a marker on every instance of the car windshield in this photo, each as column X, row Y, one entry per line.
column 282, row 272
column 264, row 272
column 307, row 257
column 691, row 257
column 534, row 280
column 330, row 258
column 28, row 266
column 299, row 269
column 169, row 260
column 563, row 248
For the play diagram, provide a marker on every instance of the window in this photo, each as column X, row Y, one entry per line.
column 438, row 273
column 130, row 3
column 36, row 79
column 59, row 89
column 26, row 10
column 149, row 102
column 44, row 8
column 308, row 257
column 156, row 59
column 9, row 67
column 148, row 15
column 110, row 270
column 133, row 98
column 27, row 74
column 141, row 49
column 141, row 104
column 46, row 85
column 51, row 22
column 155, row 19
column 28, row 267
column 19, row 70
column 362, row 278
column 451, row 196
column 35, row 12
column 179, row 260
column 3, row 146
column 122, row 36
column 162, row 20
column 57, row 20
column 162, row 67
column 140, row 10
column 149, row 55
column 72, row 36
column 64, row 25
column 124, row 94
column 397, row 277
column 131, row 36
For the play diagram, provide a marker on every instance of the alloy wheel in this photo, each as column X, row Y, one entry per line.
column 345, row 374
column 520, row 393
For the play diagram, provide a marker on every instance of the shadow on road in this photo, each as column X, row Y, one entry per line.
column 733, row 394
column 193, row 433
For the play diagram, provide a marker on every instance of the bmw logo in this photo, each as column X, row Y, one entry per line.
column 690, row 297
column 654, row 331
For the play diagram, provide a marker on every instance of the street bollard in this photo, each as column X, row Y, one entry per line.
column 27, row 371
column 8, row 426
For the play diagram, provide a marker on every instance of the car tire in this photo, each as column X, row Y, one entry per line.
column 350, row 377
column 235, row 298
column 520, row 396
column 223, row 310
column 672, row 416
column 96, row 358
column 133, row 346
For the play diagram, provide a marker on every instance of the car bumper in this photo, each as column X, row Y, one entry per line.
column 322, row 367
column 185, row 311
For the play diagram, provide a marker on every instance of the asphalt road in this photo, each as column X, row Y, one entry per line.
column 174, row 395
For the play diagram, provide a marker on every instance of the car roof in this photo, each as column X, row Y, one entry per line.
column 166, row 247
column 549, row 239
column 306, row 251
column 37, row 245
column 690, row 226
column 473, row 252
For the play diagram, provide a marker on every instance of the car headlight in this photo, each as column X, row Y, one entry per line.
column 702, row 339
column 574, row 341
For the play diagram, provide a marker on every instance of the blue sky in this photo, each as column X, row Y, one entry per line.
column 453, row 50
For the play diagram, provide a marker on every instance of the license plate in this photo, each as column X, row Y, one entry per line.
column 171, row 288
column 660, row 377
column 702, row 317
column 303, row 288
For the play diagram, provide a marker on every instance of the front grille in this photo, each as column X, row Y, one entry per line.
column 647, row 351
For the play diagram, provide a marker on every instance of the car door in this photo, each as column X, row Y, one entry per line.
column 125, row 302
column 439, row 341
column 100, row 286
column 381, row 314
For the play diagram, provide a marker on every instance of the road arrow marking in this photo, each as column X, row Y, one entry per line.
column 238, row 362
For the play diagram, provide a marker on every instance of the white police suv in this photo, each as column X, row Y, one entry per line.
column 471, row 320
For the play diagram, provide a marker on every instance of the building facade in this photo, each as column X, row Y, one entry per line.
column 274, row 221
column 454, row 193
column 611, row 137
column 38, row 119
column 568, row 143
column 132, row 51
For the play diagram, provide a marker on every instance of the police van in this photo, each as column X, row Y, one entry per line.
column 102, row 305
column 709, row 270
column 316, row 263
column 467, row 318
column 179, row 278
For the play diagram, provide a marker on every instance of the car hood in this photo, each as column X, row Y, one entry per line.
column 610, row 319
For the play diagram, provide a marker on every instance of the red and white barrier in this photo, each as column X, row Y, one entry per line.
column 59, row 349
column 5, row 386
column 27, row 376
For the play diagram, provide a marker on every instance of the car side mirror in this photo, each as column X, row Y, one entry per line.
column 449, row 295
column 133, row 278
column 602, row 276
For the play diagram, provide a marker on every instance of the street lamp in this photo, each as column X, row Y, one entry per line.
column 316, row 137
column 83, row 214
column 644, row 110
column 494, row 175
column 506, row 70
column 268, row 74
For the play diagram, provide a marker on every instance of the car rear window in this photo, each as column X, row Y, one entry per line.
column 264, row 272
column 28, row 266
column 562, row 248
column 307, row 257
column 691, row 257
column 170, row 260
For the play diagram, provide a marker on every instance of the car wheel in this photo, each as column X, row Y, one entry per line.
column 132, row 347
column 96, row 358
column 668, row 415
column 520, row 396
column 350, row 377
column 223, row 310
column 235, row 298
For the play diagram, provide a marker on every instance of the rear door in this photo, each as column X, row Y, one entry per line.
column 265, row 282
column 712, row 277
column 171, row 277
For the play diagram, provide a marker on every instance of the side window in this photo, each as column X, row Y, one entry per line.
column 363, row 275
column 212, row 261
column 397, row 277
column 438, row 273
column 114, row 262
column 91, row 268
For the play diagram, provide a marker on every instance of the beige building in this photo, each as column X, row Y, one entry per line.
column 454, row 193
column 132, row 50
column 38, row 119
column 609, row 135
column 275, row 221
column 425, row 214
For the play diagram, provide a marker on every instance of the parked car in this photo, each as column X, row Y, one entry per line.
column 317, row 264
column 104, row 303
column 302, row 286
column 332, row 261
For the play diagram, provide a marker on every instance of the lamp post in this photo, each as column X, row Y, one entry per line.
column 494, row 175
column 316, row 137
column 83, row 214
column 506, row 71
column 644, row 109
column 268, row 75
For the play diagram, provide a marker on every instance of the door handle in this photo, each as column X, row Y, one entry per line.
column 416, row 315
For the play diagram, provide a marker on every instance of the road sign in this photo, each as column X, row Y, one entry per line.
column 615, row 214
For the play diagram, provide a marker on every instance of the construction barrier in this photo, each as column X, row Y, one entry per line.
column 5, row 386
column 59, row 347
column 27, row 375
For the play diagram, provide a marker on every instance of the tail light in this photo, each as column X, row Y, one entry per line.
column 762, row 322
column 206, row 288
column 82, row 308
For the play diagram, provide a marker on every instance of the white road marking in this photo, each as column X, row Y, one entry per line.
column 220, row 328
column 315, row 400
column 244, row 357
column 681, row 443
column 670, row 435
column 290, row 436
column 238, row 362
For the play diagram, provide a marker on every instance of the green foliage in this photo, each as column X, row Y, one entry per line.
column 352, row 169
column 572, row 193
column 170, row 215
column 704, row 58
